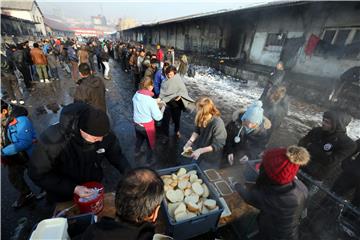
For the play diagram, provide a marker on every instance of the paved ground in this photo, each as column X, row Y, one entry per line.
column 45, row 102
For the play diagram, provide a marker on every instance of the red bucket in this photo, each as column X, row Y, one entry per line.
column 95, row 205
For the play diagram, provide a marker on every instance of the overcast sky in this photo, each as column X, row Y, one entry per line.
column 143, row 11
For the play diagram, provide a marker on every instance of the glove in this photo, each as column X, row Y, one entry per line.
column 230, row 158
column 196, row 154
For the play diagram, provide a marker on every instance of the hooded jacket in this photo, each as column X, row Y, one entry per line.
column 280, row 208
column 251, row 144
column 38, row 57
column 20, row 133
column 108, row 228
column 91, row 90
column 328, row 148
column 63, row 159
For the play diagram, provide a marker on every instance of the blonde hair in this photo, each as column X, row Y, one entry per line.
column 206, row 109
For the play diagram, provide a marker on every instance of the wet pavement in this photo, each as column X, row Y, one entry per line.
column 46, row 101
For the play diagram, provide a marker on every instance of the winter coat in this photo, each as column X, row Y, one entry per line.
column 71, row 54
column 173, row 88
column 7, row 66
column 63, row 159
column 27, row 57
column 108, row 228
column 184, row 66
column 280, row 208
column 104, row 56
column 160, row 55
column 91, row 90
column 159, row 77
column 351, row 165
column 327, row 149
column 150, row 72
column 251, row 144
column 18, row 58
column 38, row 57
column 52, row 62
column 276, row 78
column 214, row 135
column 83, row 56
column 18, row 134
column 276, row 111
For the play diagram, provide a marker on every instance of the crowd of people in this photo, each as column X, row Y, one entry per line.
column 71, row 152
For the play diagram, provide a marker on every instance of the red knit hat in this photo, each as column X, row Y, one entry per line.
column 282, row 164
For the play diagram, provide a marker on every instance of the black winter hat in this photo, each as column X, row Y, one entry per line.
column 94, row 122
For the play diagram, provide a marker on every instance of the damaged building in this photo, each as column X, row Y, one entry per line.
column 317, row 41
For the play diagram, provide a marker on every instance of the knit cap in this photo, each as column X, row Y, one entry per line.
column 254, row 113
column 94, row 122
column 282, row 164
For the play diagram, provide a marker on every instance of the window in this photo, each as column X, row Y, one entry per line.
column 341, row 37
column 274, row 39
column 329, row 35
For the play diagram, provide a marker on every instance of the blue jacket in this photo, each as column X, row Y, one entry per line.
column 21, row 135
column 158, row 79
column 72, row 54
column 145, row 109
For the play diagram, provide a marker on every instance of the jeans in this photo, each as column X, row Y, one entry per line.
column 54, row 72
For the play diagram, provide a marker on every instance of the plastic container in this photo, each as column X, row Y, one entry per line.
column 198, row 225
column 55, row 228
column 95, row 205
column 79, row 223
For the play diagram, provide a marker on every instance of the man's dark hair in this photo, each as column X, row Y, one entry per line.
column 35, row 45
column 170, row 69
column 154, row 61
column 138, row 194
column 85, row 69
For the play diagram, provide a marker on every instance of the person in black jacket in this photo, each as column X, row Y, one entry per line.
column 137, row 202
column 247, row 134
column 278, row 195
column 349, row 179
column 275, row 79
column 71, row 152
column 328, row 145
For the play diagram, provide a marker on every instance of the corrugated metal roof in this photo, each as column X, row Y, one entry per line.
column 222, row 11
column 55, row 25
column 18, row 5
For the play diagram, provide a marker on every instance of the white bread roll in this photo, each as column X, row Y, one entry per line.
column 171, row 208
column 183, row 184
column 192, row 172
column 180, row 208
column 206, row 191
column 197, row 188
column 181, row 172
column 193, row 178
column 193, row 197
column 175, row 195
column 187, row 192
column 210, row 204
column 192, row 207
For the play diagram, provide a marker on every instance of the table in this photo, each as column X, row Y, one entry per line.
column 235, row 203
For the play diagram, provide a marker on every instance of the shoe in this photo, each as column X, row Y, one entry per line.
column 41, row 195
column 47, row 80
column 13, row 101
column 41, row 80
column 22, row 102
column 22, row 200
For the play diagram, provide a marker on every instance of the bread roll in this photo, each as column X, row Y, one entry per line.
column 192, row 198
column 175, row 195
column 192, row 172
column 171, row 208
column 167, row 188
column 192, row 207
column 174, row 177
column 181, row 216
column 187, row 192
column 167, row 181
column 210, row 204
column 193, row 178
column 206, row 191
column 181, row 172
column 183, row 184
column 165, row 176
column 180, row 208
column 197, row 188
column 174, row 183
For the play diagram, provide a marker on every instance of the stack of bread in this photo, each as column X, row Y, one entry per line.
column 187, row 195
